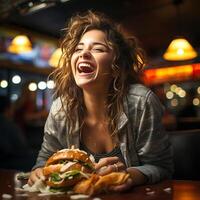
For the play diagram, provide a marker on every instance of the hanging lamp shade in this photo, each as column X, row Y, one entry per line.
column 179, row 50
column 55, row 58
column 20, row 44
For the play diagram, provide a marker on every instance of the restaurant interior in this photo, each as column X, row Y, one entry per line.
column 30, row 34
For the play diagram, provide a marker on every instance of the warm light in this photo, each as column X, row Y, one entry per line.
column 182, row 93
column 42, row 85
column 169, row 95
column 196, row 102
column 177, row 90
column 20, row 44
column 16, row 79
column 174, row 102
column 55, row 58
column 180, row 49
column 171, row 74
column 50, row 84
column 4, row 84
column 32, row 86
column 173, row 87
column 198, row 90
column 160, row 75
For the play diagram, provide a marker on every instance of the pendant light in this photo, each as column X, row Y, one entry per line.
column 20, row 44
column 55, row 57
column 179, row 49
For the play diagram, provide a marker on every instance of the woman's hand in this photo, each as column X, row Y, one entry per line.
column 36, row 175
column 136, row 178
column 123, row 187
column 109, row 164
column 113, row 164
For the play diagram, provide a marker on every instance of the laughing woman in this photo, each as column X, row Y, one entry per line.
column 101, row 108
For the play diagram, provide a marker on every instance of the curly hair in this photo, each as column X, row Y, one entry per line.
column 127, row 64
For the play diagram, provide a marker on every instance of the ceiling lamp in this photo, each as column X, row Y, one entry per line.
column 29, row 7
column 179, row 49
column 55, row 58
column 20, row 44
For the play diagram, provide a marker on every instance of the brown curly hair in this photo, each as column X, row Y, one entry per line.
column 127, row 64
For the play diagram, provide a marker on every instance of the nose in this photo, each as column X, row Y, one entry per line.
column 85, row 53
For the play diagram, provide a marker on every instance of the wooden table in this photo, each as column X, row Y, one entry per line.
column 166, row 190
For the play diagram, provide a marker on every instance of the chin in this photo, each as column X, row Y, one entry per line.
column 84, row 84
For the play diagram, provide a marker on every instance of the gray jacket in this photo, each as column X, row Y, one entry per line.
column 143, row 141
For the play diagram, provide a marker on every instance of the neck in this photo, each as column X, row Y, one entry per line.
column 96, row 105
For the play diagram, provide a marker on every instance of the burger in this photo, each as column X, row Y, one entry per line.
column 67, row 167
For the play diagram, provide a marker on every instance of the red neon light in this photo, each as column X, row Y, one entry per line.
column 177, row 73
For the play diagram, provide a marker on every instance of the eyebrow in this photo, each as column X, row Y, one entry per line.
column 95, row 43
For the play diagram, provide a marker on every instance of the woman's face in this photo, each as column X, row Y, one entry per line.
column 92, row 60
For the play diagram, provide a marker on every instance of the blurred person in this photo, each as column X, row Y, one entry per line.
column 26, row 109
column 15, row 152
column 101, row 108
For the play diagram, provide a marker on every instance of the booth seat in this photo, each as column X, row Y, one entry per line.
column 186, row 154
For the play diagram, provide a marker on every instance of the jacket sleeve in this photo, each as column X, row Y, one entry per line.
column 152, row 143
column 52, row 140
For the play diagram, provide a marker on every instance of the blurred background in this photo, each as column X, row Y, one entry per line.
column 30, row 33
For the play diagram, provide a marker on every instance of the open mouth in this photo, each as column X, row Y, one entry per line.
column 85, row 68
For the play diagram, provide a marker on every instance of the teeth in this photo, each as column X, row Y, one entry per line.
column 84, row 65
column 85, row 68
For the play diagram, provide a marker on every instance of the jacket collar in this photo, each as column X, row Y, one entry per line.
column 123, row 118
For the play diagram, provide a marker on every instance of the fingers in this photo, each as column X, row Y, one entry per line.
column 108, row 165
column 119, row 166
column 106, row 161
column 35, row 176
column 123, row 187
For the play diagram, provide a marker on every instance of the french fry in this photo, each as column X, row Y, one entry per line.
column 98, row 184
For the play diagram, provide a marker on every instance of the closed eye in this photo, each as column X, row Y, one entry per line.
column 98, row 50
column 78, row 49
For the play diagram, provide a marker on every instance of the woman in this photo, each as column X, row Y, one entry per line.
column 101, row 109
